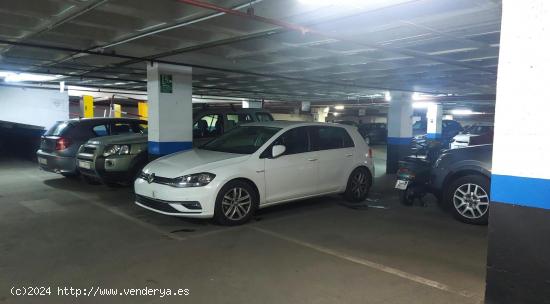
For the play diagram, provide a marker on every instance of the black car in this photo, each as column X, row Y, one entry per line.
column 449, row 128
column 376, row 132
column 60, row 144
column 461, row 179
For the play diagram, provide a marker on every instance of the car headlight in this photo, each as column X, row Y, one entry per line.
column 192, row 180
column 116, row 150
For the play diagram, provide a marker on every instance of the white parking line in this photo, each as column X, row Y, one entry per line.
column 374, row 265
column 152, row 227
column 129, row 218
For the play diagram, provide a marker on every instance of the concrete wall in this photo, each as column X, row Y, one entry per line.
column 37, row 107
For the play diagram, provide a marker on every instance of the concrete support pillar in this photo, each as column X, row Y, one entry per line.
column 143, row 110
column 170, row 116
column 305, row 106
column 434, row 117
column 87, row 106
column 399, row 129
column 321, row 114
column 518, row 262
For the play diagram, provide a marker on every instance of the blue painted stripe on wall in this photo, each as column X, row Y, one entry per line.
column 399, row 140
column 433, row 135
column 164, row 148
column 524, row 191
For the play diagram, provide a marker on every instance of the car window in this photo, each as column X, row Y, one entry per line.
column 419, row 125
column 295, row 140
column 124, row 128
column 235, row 119
column 210, row 125
column 260, row 116
column 241, row 140
column 326, row 138
column 100, row 130
column 58, row 129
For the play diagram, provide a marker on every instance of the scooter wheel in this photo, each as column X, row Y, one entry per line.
column 406, row 198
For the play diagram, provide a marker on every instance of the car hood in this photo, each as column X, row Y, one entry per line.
column 192, row 161
column 464, row 137
column 132, row 138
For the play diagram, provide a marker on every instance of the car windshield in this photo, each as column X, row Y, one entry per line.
column 57, row 129
column 241, row 140
column 480, row 129
column 419, row 125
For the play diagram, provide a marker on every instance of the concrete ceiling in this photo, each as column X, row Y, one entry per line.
column 299, row 51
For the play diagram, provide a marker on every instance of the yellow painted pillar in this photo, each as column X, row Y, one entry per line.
column 88, row 106
column 118, row 110
column 142, row 110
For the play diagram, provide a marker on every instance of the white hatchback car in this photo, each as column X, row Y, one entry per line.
column 258, row 165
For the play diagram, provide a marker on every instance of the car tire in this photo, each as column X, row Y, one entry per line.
column 405, row 198
column 236, row 203
column 468, row 199
column 358, row 185
column 71, row 175
column 112, row 184
column 91, row 180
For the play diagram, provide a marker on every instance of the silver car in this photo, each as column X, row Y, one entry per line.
column 60, row 144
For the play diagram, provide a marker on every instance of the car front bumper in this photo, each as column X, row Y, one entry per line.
column 111, row 169
column 55, row 163
column 170, row 200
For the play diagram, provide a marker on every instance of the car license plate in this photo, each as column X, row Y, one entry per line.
column 84, row 164
column 42, row 161
column 401, row 184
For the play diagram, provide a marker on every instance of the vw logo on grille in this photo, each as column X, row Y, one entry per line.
column 151, row 178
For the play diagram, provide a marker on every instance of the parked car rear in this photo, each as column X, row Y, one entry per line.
column 117, row 159
column 461, row 179
column 376, row 132
column 60, row 144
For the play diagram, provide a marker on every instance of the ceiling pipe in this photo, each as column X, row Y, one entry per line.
column 157, row 31
column 273, row 76
column 262, row 34
column 304, row 30
column 53, row 24
column 178, row 25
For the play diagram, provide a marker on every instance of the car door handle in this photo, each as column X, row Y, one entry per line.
column 349, row 155
column 312, row 159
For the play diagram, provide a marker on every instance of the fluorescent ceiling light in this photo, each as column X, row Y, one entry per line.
column 339, row 107
column 462, row 112
column 422, row 104
column 18, row 77
column 336, row 114
column 387, row 96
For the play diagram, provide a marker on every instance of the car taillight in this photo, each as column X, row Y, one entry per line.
column 370, row 153
column 62, row 144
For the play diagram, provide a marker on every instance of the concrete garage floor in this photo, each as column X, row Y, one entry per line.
column 61, row 232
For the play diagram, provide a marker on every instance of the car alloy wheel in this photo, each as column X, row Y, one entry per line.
column 471, row 201
column 236, row 203
column 359, row 184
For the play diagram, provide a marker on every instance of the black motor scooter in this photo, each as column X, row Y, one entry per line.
column 413, row 174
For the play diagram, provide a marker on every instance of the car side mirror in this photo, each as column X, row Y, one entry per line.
column 277, row 151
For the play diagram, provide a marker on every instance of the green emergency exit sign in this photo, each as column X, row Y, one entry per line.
column 165, row 83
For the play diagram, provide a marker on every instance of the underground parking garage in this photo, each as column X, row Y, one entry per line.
column 290, row 151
